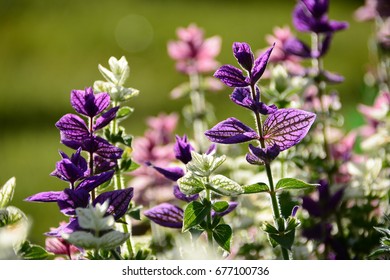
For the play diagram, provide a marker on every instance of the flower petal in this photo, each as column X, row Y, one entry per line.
column 93, row 182
column 87, row 103
column 231, row 131
column 166, row 215
column 297, row 47
column 179, row 195
column 260, row 65
column 119, row 201
column 231, row 76
column 171, row 173
column 70, row 199
column 45, row 197
column 73, row 127
column 105, row 118
column 244, row 55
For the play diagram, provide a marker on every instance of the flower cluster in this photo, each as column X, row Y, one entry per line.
column 85, row 176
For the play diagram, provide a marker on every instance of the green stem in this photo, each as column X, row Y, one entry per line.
column 208, row 219
column 116, row 255
column 199, row 110
column 274, row 198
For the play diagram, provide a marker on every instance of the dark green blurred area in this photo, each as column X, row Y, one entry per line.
column 50, row 47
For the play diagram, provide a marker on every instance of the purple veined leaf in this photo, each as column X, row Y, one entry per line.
column 171, row 173
column 166, row 215
column 244, row 55
column 93, row 182
column 68, row 228
column 297, row 47
column 102, row 147
column 102, row 164
column 119, row 201
column 70, row 199
column 87, row 103
column 260, row 65
column 73, row 127
column 45, row 197
column 258, row 155
column 105, row 118
column 242, row 97
column 73, row 144
column 231, row 131
column 317, row 8
column 231, row 76
column 287, row 127
column 179, row 195
column 66, row 170
column 231, row 207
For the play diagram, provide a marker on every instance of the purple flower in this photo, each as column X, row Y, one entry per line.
column 71, row 169
column 86, row 103
column 179, row 195
column 242, row 97
column 233, row 77
column 311, row 16
column 231, row 131
column 166, row 215
column 171, row 173
column 260, row 156
column 119, row 201
column 297, row 47
column 182, row 149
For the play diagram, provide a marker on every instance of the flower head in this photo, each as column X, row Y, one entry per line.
column 193, row 53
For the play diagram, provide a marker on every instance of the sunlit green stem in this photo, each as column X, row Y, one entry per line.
column 274, row 198
column 199, row 111
column 208, row 220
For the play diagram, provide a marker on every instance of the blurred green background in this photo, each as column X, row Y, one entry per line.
column 49, row 47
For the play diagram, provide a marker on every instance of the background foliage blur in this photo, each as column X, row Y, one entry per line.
column 49, row 47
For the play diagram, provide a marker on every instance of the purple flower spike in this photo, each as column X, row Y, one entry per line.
column 89, row 104
column 182, row 149
column 166, row 215
column 231, row 76
column 119, row 201
column 93, row 182
column 44, row 197
column 231, row 131
column 70, row 199
column 244, row 55
column 260, row 65
column 102, row 147
column 68, row 171
column 73, row 127
column 105, row 118
column 242, row 97
column 261, row 156
column 287, row 127
column 179, row 195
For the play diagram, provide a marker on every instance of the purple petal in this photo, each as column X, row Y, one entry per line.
column 73, row 144
column 102, row 147
column 254, row 160
column 231, row 131
column 171, row 173
column 325, row 44
column 311, row 206
column 44, row 197
column 68, row 171
column 89, row 104
column 182, row 149
column 287, row 127
column 244, row 55
column 119, row 201
column 93, row 182
column 333, row 78
column 337, row 25
column 265, row 155
column 260, row 65
column 302, row 20
column 231, row 76
column 242, row 97
column 316, row 7
column 297, row 47
column 68, row 228
column 264, row 109
column 73, row 127
column 70, row 199
column 166, row 215
column 105, row 118
column 231, row 207
column 103, row 164
column 212, row 149
column 336, row 199
column 179, row 195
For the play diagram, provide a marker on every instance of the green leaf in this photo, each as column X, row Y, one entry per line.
column 190, row 184
column 203, row 165
column 223, row 235
column 11, row 215
column 194, row 214
column 220, row 206
column 30, row 251
column 7, row 192
column 292, row 223
column 256, row 188
column 284, row 240
column 124, row 112
column 268, row 228
column 293, row 184
column 225, row 186
column 135, row 212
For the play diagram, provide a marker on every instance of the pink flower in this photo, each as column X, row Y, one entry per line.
column 156, row 146
column 193, row 53
column 372, row 9
column 61, row 247
column 292, row 63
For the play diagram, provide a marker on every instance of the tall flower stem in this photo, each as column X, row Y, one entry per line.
column 208, row 220
column 274, row 198
column 199, row 110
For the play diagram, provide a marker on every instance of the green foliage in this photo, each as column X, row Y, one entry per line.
column 30, row 251
column 194, row 214
column 225, row 186
column 256, row 188
column 7, row 192
column 220, row 206
column 190, row 184
column 222, row 234
column 11, row 215
column 293, row 184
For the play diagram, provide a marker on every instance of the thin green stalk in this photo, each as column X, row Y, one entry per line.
column 274, row 198
column 208, row 220
column 198, row 109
